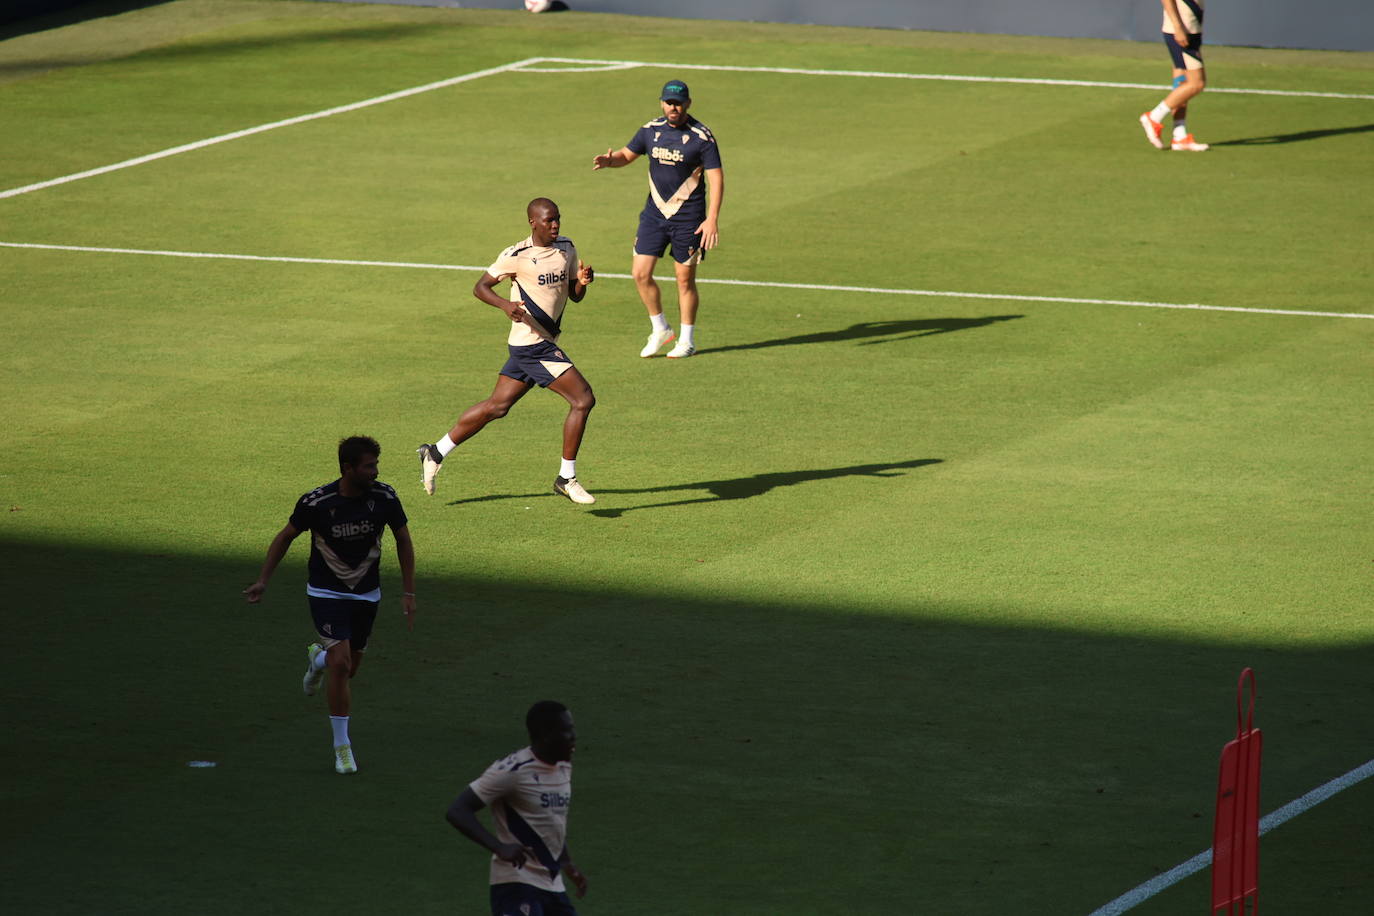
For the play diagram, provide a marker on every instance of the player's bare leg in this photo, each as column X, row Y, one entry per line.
column 502, row 399
column 574, row 389
column 342, row 663
column 1194, row 82
column 687, row 302
column 642, row 270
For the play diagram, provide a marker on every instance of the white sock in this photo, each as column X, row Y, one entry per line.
column 568, row 469
column 445, row 445
column 340, row 726
column 1160, row 112
column 1180, row 130
column 684, row 336
column 659, row 322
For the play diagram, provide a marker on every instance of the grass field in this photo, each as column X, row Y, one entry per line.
column 890, row 602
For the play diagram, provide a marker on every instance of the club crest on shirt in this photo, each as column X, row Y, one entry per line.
column 685, row 138
column 657, row 134
column 371, row 505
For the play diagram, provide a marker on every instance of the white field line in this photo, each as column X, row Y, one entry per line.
column 1200, row 861
column 248, row 132
column 948, row 294
column 878, row 74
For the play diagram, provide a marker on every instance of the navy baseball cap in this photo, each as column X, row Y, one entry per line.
column 675, row 91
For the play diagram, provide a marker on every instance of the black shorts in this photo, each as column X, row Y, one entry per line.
column 1185, row 57
column 539, row 364
column 337, row 619
column 526, row 900
column 657, row 234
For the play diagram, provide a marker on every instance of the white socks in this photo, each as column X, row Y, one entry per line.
column 568, row 469
column 1160, row 112
column 659, row 322
column 445, row 445
column 1180, row 130
column 684, row 335
column 340, row 726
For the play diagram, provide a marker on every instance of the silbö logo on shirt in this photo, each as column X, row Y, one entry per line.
column 664, row 154
column 552, row 279
column 554, row 800
column 352, row 529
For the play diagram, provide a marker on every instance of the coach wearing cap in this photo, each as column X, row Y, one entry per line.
column 679, row 215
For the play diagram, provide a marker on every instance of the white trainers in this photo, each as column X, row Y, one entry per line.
column 430, row 462
column 311, row 682
column 681, row 351
column 657, row 340
column 1153, row 130
column 569, row 487
column 343, row 759
column 1188, row 144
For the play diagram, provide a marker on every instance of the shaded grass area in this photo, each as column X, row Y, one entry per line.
column 735, row 757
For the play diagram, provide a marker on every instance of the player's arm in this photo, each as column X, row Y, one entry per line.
column 614, row 159
column 581, row 280
column 579, row 880
column 462, row 814
column 405, row 556
column 715, row 184
column 1171, row 10
column 485, row 290
column 275, row 551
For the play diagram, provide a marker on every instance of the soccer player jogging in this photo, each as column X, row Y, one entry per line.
column 678, row 215
column 529, row 793
column 545, row 273
column 345, row 519
column 1183, row 36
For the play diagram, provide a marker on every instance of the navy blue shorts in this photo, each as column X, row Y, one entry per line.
column 525, row 900
column 656, row 234
column 339, row 619
column 1180, row 53
column 539, row 364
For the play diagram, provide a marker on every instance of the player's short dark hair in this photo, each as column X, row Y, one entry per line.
column 352, row 449
column 544, row 717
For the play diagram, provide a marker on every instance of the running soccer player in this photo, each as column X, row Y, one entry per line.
column 529, row 793
column 677, row 214
column 545, row 273
column 1183, row 36
column 345, row 520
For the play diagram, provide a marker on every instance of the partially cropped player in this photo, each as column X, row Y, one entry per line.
column 346, row 520
column 679, row 216
column 545, row 273
column 1183, row 36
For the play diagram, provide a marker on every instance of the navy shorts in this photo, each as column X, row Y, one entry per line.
column 539, row 364
column 1181, row 53
column 339, row 619
column 657, row 234
column 524, row 900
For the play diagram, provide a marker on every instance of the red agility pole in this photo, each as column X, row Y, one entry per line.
column 1235, row 835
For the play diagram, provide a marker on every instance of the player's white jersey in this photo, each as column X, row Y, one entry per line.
column 1190, row 11
column 529, row 801
column 540, row 279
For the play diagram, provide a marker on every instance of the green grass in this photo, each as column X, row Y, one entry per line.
column 913, row 604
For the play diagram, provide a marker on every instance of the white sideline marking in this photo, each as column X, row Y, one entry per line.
column 247, row 132
column 1200, row 861
column 949, row 294
column 878, row 74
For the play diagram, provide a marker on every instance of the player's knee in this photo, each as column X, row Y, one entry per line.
column 497, row 409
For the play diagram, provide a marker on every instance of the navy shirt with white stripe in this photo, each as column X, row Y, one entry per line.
column 346, row 538
column 678, row 159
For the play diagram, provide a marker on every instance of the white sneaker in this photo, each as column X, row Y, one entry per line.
column 681, row 351
column 1153, row 130
column 1188, row 144
column 313, row 675
column 656, row 342
column 430, row 462
column 343, row 759
column 569, row 487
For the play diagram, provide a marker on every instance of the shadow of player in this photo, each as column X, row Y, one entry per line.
column 888, row 331
column 1297, row 137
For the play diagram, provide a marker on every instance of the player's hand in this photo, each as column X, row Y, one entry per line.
column 710, row 235
column 1181, row 36
column 514, row 854
column 603, row 162
column 585, row 275
column 578, row 879
column 517, row 314
column 408, row 608
column 254, row 591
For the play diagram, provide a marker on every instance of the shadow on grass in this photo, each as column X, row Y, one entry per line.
column 24, row 17
column 733, row 488
column 1297, row 136
column 999, row 762
column 888, row 331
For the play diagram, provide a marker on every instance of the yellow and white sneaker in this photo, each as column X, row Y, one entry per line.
column 1154, row 131
column 1188, row 144
column 569, row 487
column 657, row 341
column 311, row 682
column 681, row 351
column 343, row 759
